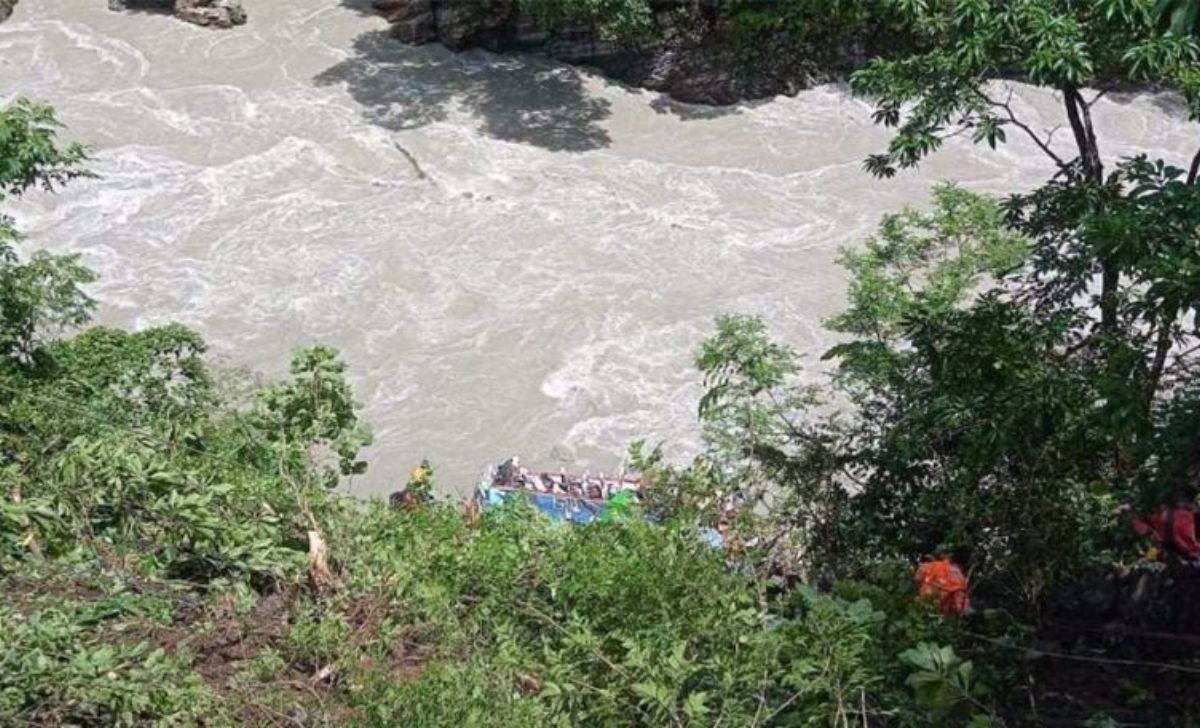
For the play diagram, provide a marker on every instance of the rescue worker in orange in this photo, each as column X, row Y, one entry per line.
column 942, row 582
column 1172, row 527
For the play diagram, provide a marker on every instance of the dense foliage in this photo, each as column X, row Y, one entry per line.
column 159, row 522
column 1013, row 370
column 1008, row 372
column 633, row 19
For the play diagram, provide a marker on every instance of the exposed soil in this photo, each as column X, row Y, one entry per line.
column 223, row 640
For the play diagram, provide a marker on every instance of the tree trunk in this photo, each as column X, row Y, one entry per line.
column 1162, row 346
column 1194, row 174
column 1079, row 114
column 320, row 577
column 1092, row 167
column 1080, row 117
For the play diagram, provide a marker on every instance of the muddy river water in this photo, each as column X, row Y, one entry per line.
column 515, row 256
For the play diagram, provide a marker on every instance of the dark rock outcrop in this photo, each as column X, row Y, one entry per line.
column 208, row 13
column 693, row 56
column 211, row 13
column 6, row 9
column 458, row 25
column 711, row 72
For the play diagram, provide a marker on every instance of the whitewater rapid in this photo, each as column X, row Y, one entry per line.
column 515, row 256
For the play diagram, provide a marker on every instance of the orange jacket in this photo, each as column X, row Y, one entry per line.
column 943, row 582
column 1183, row 530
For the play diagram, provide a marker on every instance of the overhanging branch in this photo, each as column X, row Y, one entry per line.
column 1043, row 144
column 1099, row 95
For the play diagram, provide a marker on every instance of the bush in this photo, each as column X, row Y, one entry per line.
column 57, row 669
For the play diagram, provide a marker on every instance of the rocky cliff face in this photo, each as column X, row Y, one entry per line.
column 208, row 13
column 693, row 59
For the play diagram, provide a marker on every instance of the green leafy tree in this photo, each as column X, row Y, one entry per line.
column 1066, row 46
column 829, row 29
column 29, row 153
column 615, row 19
column 1095, row 321
column 961, row 417
column 315, row 413
column 45, row 292
column 1181, row 17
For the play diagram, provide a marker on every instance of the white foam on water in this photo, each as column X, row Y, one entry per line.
column 538, row 283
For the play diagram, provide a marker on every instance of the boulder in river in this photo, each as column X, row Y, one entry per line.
column 208, row 13
column 211, row 13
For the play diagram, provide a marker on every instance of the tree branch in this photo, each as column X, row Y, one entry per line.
column 1044, row 145
column 1099, row 95
column 1080, row 117
column 1194, row 174
column 1162, row 346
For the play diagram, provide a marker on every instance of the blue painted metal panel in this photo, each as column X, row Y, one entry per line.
column 558, row 508
column 565, row 509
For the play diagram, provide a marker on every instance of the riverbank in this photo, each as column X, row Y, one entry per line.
column 701, row 53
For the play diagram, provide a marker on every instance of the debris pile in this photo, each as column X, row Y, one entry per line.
column 511, row 475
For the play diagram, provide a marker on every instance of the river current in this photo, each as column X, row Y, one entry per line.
column 515, row 256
